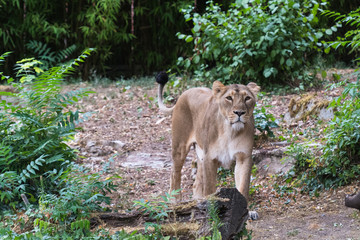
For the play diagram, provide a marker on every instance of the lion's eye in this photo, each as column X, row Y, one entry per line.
column 229, row 98
column 247, row 98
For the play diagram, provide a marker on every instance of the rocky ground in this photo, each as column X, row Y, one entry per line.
column 127, row 136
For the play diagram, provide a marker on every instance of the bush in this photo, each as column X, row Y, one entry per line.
column 352, row 37
column 34, row 128
column 336, row 163
column 263, row 41
column 265, row 121
column 341, row 153
column 69, row 210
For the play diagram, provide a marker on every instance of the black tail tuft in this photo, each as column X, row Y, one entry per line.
column 162, row 78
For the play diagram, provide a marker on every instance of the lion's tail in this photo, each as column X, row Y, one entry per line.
column 162, row 78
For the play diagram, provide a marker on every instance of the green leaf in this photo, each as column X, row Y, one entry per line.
column 328, row 31
column 267, row 72
column 319, row 35
column 189, row 39
column 197, row 28
column 323, row 74
column 196, row 59
column 181, row 36
column 30, row 169
column 289, row 62
column 6, row 94
column 282, row 60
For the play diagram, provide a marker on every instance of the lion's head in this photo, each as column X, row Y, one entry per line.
column 236, row 102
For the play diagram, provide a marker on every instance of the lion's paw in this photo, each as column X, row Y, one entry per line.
column 253, row 215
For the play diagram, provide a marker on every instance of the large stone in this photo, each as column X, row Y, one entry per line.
column 353, row 201
column 301, row 108
column 271, row 161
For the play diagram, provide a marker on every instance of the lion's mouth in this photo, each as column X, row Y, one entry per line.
column 238, row 125
column 238, row 121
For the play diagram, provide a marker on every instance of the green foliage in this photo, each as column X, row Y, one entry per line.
column 49, row 58
column 34, row 127
column 137, row 36
column 99, row 27
column 265, row 41
column 352, row 37
column 264, row 121
column 341, row 153
column 303, row 156
column 156, row 44
column 158, row 210
column 338, row 164
column 244, row 234
column 214, row 220
column 65, row 215
column 68, row 211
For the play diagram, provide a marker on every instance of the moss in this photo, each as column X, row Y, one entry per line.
column 299, row 104
column 295, row 106
column 179, row 228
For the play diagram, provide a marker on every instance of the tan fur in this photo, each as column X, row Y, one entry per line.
column 209, row 120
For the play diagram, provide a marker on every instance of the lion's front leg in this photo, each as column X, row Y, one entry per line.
column 242, row 173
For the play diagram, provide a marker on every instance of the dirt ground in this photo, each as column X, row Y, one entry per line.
column 127, row 135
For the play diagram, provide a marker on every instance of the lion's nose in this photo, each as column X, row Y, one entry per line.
column 239, row 113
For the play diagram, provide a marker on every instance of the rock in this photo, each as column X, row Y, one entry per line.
column 326, row 114
column 270, row 161
column 117, row 145
column 139, row 159
column 90, row 144
column 94, row 150
column 307, row 106
column 353, row 201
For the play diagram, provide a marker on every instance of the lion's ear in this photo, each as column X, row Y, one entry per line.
column 218, row 88
column 254, row 88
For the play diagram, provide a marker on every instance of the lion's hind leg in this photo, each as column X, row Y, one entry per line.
column 179, row 154
column 205, row 182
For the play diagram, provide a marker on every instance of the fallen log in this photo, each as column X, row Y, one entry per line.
column 191, row 219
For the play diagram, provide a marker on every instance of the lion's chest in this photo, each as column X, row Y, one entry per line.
column 223, row 150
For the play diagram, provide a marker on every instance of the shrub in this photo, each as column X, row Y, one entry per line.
column 263, row 41
column 339, row 162
column 34, row 128
column 336, row 163
column 341, row 153
column 352, row 37
column 265, row 121
column 158, row 211
column 69, row 210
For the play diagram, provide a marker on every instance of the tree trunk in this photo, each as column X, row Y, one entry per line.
column 191, row 219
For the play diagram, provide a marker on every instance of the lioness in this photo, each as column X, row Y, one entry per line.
column 220, row 124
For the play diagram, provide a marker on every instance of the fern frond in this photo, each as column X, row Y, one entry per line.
column 2, row 76
column 36, row 165
column 6, row 156
column 25, row 117
column 65, row 53
column 33, row 134
column 42, row 52
column 3, row 56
